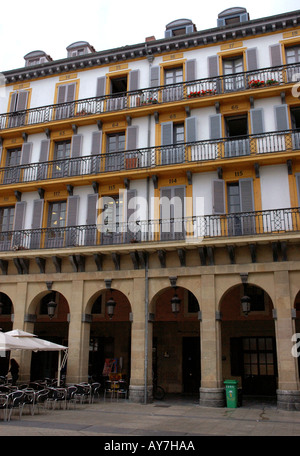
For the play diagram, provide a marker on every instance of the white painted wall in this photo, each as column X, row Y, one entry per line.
column 274, row 187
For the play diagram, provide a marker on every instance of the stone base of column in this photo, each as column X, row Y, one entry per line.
column 212, row 397
column 288, row 400
column 137, row 394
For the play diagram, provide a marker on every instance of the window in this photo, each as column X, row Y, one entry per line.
column 65, row 97
column 237, row 134
column 172, row 210
column 56, row 224
column 6, row 226
column 173, row 76
column 112, row 219
column 114, row 148
column 118, row 89
column 18, row 104
column 295, row 117
column 61, row 154
column 233, row 80
column 13, row 160
column 240, row 202
column 173, row 139
column 292, row 57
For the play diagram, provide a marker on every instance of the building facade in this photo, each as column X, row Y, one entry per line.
column 161, row 178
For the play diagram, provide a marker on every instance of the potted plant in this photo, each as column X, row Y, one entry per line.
column 271, row 82
column 256, row 83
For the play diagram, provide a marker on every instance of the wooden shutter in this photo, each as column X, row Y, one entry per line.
column 190, row 70
column 26, row 153
column 70, row 92
column 213, row 66
column 132, row 133
column 22, row 100
column 96, row 150
column 134, row 77
column 71, row 233
column 43, row 159
column 36, row 224
column 100, row 89
column 281, row 117
column 75, row 153
column 256, row 116
column 190, row 129
column 216, row 126
column 247, row 205
column 166, row 133
column 13, row 102
column 154, row 76
column 131, row 229
column 91, row 219
column 251, row 55
column 275, row 53
column 218, row 194
column 19, row 218
column 61, row 95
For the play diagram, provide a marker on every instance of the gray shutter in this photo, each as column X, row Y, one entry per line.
column 166, row 213
column 218, row 194
column 131, row 230
column 36, row 225
column 71, row 233
column 275, row 53
column 251, row 59
column 19, row 215
column 100, row 89
column 166, row 133
column 190, row 128
column 297, row 176
column 22, row 100
column 281, row 117
column 26, row 153
column 44, row 156
column 247, row 205
column 91, row 219
column 190, row 70
column 75, row 153
column 70, row 92
column 213, row 66
column 134, row 80
column 61, row 96
column 216, row 126
column 168, row 33
column 154, row 76
column 13, row 100
column 132, row 133
column 96, row 150
column 256, row 116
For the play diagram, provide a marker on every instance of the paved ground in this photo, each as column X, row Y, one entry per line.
column 169, row 419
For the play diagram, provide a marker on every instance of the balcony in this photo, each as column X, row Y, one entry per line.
column 189, row 230
column 150, row 97
column 153, row 158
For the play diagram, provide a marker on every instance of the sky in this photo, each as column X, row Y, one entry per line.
column 52, row 26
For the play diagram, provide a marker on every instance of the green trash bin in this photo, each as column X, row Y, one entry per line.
column 231, row 387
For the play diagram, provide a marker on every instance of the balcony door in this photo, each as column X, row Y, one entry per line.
column 292, row 56
column 172, row 150
column 240, row 202
column 295, row 117
column 6, row 226
column 56, row 224
column 62, row 151
column 12, row 170
column 172, row 210
column 112, row 220
column 118, row 94
column 237, row 142
column 115, row 148
column 174, row 79
column 232, row 69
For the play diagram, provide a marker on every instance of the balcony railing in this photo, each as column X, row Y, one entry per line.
column 189, row 230
column 200, row 151
column 266, row 77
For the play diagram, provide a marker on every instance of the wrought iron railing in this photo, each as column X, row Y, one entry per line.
column 199, row 151
column 188, row 230
column 265, row 77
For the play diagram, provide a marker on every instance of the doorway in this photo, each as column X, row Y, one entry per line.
column 191, row 365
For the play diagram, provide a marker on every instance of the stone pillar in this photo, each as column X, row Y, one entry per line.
column 78, row 340
column 138, row 347
column 211, row 391
column 288, row 394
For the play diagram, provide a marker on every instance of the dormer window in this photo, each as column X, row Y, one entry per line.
column 180, row 27
column 232, row 16
column 79, row 48
column 36, row 58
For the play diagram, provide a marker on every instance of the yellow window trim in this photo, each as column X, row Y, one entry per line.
column 20, row 90
column 67, row 82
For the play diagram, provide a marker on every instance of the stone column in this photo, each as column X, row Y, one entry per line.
column 288, row 394
column 78, row 340
column 211, row 391
column 139, row 360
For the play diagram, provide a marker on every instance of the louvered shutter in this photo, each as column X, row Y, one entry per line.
column 71, row 231
column 166, row 140
column 44, row 156
column 26, row 153
column 70, row 92
column 216, row 126
column 132, row 229
column 218, row 194
column 247, row 205
column 166, row 213
column 91, row 219
column 178, row 207
column 61, row 96
column 132, row 133
column 190, row 70
column 281, row 117
column 134, row 77
column 256, row 116
column 251, row 55
column 190, row 128
column 100, row 89
column 22, row 100
column 275, row 53
column 154, row 76
column 36, row 225
column 75, row 154
column 18, row 238
column 213, row 66
column 96, row 150
column 13, row 102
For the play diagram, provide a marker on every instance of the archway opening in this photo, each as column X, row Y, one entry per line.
column 6, row 324
column 297, row 327
column 110, row 337
column 248, row 341
column 176, row 343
